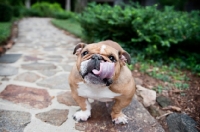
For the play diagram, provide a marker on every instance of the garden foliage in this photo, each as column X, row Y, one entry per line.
column 6, row 13
column 4, row 31
column 147, row 29
column 45, row 9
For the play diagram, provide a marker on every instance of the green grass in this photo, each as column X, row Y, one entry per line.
column 173, row 77
column 5, row 29
column 69, row 25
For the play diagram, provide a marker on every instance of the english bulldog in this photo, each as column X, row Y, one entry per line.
column 100, row 73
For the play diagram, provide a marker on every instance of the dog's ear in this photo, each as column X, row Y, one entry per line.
column 125, row 57
column 78, row 48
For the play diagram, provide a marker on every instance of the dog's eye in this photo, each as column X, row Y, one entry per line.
column 112, row 58
column 84, row 53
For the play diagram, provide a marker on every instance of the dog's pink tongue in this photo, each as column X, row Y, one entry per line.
column 106, row 70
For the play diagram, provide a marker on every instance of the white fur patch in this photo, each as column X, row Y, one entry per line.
column 83, row 68
column 122, row 119
column 96, row 92
column 83, row 115
column 102, row 49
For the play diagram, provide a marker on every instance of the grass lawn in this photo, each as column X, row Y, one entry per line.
column 69, row 25
column 5, row 29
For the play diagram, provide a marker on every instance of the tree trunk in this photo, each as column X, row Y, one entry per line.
column 68, row 5
column 28, row 3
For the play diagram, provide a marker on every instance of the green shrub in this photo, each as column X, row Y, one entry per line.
column 145, row 27
column 5, row 28
column 47, row 9
column 146, row 31
column 6, row 13
column 63, row 15
column 19, row 11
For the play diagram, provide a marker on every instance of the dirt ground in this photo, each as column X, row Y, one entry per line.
column 188, row 102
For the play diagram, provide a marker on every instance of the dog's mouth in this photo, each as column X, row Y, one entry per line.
column 101, row 76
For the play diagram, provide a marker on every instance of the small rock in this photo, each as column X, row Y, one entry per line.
column 79, row 126
column 149, row 96
column 165, row 93
column 153, row 111
column 178, row 122
column 163, row 101
column 5, row 79
column 138, row 81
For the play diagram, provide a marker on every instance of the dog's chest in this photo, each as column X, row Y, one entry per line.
column 103, row 94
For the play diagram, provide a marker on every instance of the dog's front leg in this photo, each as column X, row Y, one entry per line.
column 117, row 116
column 85, row 112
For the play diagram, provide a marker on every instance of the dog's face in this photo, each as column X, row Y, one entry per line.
column 100, row 63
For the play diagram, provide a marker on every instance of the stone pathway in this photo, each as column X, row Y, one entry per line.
column 34, row 91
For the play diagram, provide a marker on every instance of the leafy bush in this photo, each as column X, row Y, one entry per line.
column 63, row 15
column 46, row 9
column 145, row 30
column 6, row 13
column 5, row 28
column 145, row 27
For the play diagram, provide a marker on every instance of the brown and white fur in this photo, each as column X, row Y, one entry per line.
column 120, row 88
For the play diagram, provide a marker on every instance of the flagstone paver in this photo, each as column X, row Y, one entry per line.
column 54, row 117
column 9, row 58
column 28, row 77
column 37, row 98
column 139, row 119
column 13, row 121
column 56, row 82
column 38, row 66
column 48, row 72
column 7, row 70
column 34, row 90
column 66, row 98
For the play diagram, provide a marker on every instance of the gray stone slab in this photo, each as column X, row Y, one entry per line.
column 27, row 77
column 54, row 117
column 67, row 67
column 67, row 99
column 139, row 119
column 48, row 72
column 56, row 82
column 38, row 66
column 6, row 70
column 9, row 58
column 31, row 58
column 13, row 121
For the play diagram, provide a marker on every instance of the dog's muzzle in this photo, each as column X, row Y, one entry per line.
column 97, row 71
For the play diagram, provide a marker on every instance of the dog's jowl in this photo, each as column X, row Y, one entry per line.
column 100, row 73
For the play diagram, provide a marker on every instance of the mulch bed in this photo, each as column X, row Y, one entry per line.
column 189, row 102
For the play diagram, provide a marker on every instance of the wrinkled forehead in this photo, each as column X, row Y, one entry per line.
column 101, row 49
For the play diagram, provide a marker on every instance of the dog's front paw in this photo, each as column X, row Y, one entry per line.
column 82, row 115
column 122, row 119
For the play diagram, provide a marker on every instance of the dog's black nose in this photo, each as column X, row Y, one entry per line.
column 97, row 57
